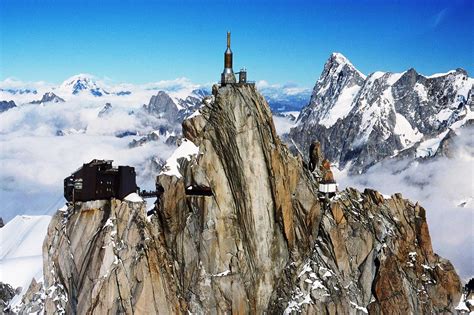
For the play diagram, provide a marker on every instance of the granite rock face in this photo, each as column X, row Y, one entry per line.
column 162, row 106
column 241, row 228
column 373, row 255
column 362, row 120
column 175, row 109
column 104, row 257
column 238, row 241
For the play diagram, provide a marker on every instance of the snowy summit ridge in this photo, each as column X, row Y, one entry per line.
column 82, row 82
column 362, row 120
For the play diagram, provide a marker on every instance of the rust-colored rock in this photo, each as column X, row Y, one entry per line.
column 337, row 213
column 315, row 156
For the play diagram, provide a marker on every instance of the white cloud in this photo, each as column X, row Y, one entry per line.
column 282, row 124
column 287, row 88
column 171, row 85
column 35, row 166
column 16, row 83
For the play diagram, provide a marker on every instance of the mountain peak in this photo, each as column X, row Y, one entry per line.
column 83, row 82
column 340, row 58
column 6, row 105
column 339, row 75
column 79, row 77
column 339, row 61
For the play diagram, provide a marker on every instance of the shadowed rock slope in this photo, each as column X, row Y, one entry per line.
column 264, row 241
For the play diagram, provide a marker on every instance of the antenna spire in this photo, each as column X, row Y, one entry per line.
column 228, row 75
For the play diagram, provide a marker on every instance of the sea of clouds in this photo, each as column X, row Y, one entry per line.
column 35, row 160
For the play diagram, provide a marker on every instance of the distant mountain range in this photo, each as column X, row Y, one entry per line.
column 361, row 120
column 281, row 98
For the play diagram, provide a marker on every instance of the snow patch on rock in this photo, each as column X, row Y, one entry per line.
column 342, row 107
column 186, row 150
column 133, row 197
column 408, row 135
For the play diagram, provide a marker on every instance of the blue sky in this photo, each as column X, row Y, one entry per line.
column 278, row 41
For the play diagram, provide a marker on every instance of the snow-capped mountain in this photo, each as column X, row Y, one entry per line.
column 193, row 99
column 361, row 120
column 185, row 94
column 22, row 92
column 162, row 106
column 85, row 83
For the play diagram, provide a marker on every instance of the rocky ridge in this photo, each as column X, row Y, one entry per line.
column 49, row 97
column 361, row 120
column 265, row 240
column 6, row 105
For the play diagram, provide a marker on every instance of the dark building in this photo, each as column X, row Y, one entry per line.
column 99, row 180
column 198, row 190
column 243, row 76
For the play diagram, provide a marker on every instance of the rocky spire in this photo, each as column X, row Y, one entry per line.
column 258, row 239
